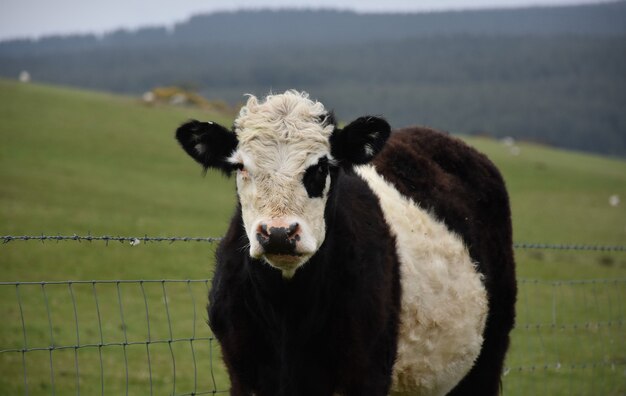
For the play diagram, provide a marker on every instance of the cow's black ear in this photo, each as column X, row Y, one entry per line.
column 359, row 141
column 208, row 143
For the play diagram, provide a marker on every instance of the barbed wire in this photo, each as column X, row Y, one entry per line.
column 605, row 248
column 132, row 240
column 136, row 240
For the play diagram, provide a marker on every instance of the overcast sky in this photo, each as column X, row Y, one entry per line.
column 34, row 18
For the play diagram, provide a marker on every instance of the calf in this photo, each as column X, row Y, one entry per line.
column 358, row 261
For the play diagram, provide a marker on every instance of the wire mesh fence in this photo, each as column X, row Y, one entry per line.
column 137, row 337
column 568, row 339
column 109, row 337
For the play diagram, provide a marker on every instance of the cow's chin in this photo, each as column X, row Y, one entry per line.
column 286, row 263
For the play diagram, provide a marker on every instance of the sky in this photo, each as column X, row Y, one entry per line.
column 37, row 18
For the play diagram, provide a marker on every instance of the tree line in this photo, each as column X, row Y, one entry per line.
column 549, row 82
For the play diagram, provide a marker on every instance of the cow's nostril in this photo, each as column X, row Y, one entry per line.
column 294, row 228
column 278, row 237
column 262, row 230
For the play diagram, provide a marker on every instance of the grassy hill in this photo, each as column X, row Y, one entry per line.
column 82, row 162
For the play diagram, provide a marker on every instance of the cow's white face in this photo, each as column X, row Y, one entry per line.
column 284, row 150
column 283, row 181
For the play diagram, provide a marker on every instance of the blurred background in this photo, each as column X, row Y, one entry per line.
column 106, row 293
column 552, row 73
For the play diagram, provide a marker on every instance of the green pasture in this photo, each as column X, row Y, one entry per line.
column 77, row 162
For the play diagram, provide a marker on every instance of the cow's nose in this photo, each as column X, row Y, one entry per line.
column 277, row 238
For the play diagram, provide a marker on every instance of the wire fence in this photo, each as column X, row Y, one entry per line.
column 136, row 240
column 110, row 337
column 136, row 337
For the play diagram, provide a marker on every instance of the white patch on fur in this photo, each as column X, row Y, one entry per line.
column 279, row 139
column 369, row 151
column 200, row 148
column 444, row 302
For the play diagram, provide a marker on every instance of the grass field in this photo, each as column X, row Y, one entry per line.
column 83, row 162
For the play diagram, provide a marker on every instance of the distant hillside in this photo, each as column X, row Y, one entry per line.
column 547, row 74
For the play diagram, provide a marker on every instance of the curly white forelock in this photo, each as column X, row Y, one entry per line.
column 288, row 116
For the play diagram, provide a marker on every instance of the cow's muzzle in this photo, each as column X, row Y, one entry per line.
column 277, row 238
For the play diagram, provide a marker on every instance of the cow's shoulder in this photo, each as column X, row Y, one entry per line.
column 457, row 184
column 421, row 161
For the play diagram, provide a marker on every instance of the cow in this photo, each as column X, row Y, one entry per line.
column 359, row 261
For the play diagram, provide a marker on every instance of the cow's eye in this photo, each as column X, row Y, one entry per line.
column 241, row 170
column 314, row 179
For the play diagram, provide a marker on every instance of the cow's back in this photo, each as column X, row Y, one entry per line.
column 457, row 241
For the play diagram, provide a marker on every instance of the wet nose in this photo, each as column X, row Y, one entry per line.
column 277, row 237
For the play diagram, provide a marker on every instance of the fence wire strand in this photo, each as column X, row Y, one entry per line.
column 106, row 238
column 136, row 240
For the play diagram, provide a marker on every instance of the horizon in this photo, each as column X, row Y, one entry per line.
column 17, row 22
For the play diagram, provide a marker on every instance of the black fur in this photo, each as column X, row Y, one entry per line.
column 314, row 179
column 349, row 144
column 332, row 327
column 217, row 142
